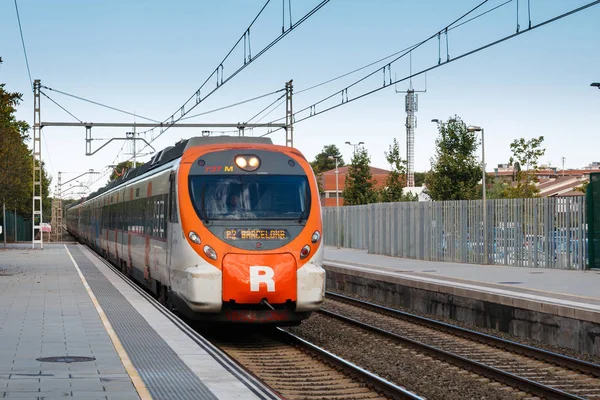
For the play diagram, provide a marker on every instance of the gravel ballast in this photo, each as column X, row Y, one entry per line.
column 418, row 373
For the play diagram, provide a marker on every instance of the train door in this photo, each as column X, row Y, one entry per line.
column 172, row 221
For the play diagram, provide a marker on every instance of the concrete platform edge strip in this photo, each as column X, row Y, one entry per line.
column 138, row 383
column 162, row 370
column 247, row 379
column 545, row 304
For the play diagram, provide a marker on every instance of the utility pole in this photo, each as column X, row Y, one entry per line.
column 355, row 145
column 483, row 187
column 289, row 115
column 337, row 200
column 36, row 220
column 134, row 140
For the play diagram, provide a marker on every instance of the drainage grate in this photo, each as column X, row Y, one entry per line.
column 510, row 283
column 66, row 359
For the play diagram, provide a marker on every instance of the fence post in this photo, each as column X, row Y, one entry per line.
column 4, row 222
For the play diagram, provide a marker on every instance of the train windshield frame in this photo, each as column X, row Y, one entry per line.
column 250, row 197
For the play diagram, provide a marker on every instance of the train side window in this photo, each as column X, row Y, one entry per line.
column 172, row 199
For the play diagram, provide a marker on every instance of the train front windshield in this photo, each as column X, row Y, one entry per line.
column 250, row 197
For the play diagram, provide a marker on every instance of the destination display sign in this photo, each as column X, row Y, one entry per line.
column 255, row 234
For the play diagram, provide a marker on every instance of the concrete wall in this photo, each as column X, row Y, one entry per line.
column 555, row 325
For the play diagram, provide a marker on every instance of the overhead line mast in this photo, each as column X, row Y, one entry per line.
column 36, row 218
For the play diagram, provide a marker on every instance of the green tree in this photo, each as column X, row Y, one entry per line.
column 396, row 179
column 496, row 188
column 121, row 168
column 16, row 161
column 323, row 163
column 583, row 187
column 360, row 187
column 420, row 178
column 526, row 153
column 455, row 172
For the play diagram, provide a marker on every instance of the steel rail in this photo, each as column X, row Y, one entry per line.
column 248, row 378
column 375, row 381
column 500, row 343
column 493, row 373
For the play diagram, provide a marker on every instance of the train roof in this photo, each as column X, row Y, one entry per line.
column 171, row 153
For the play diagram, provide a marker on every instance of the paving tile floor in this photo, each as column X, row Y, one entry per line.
column 45, row 311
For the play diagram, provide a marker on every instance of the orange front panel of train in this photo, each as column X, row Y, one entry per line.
column 248, row 279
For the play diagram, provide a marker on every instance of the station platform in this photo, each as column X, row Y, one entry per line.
column 558, row 307
column 71, row 327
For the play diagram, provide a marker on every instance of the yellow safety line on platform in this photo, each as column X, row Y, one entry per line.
column 140, row 387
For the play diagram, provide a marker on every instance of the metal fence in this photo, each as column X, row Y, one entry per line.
column 16, row 228
column 541, row 232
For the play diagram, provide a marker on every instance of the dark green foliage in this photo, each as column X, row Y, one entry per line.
column 323, row 163
column 420, row 178
column 526, row 153
column 16, row 161
column 360, row 187
column 396, row 179
column 455, row 171
column 121, row 168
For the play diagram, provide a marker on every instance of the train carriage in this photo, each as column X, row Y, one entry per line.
column 221, row 228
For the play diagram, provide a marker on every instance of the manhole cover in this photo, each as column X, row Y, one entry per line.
column 510, row 283
column 66, row 359
column 536, row 273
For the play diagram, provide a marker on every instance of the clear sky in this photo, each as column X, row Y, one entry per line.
column 151, row 56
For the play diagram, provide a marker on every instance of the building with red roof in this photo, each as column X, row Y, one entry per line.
column 328, row 198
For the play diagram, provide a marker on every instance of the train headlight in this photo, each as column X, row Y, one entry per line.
column 315, row 237
column 210, row 252
column 254, row 162
column 305, row 252
column 247, row 162
column 194, row 237
column 241, row 162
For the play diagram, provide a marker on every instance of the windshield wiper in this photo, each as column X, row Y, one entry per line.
column 203, row 208
column 302, row 216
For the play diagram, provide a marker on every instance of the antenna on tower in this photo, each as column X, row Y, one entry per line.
column 411, row 106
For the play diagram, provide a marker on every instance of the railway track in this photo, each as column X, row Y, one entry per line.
column 539, row 372
column 285, row 363
column 299, row 370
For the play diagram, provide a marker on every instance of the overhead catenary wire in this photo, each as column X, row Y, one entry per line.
column 64, row 109
column 198, row 98
column 297, row 92
column 99, row 104
column 232, row 105
column 400, row 54
column 466, row 54
column 23, row 43
column 266, row 108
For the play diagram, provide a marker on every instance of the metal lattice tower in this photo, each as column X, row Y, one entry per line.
column 57, row 212
column 289, row 115
column 37, row 168
column 412, row 105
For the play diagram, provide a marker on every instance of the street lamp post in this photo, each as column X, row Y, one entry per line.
column 337, row 200
column 355, row 146
column 485, row 235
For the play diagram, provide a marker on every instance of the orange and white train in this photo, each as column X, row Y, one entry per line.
column 220, row 228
